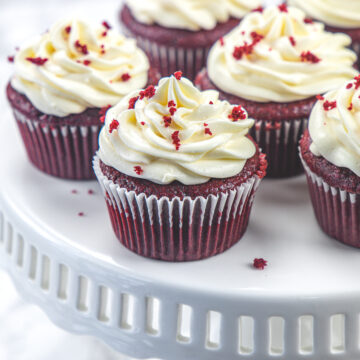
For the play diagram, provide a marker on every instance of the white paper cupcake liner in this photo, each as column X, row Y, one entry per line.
column 177, row 229
column 337, row 211
column 59, row 150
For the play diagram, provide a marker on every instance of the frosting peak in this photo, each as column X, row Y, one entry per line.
column 75, row 66
column 334, row 126
column 339, row 13
column 175, row 132
column 189, row 14
column 277, row 56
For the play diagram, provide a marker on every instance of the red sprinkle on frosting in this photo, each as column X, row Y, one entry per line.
column 329, row 105
column 256, row 37
column 113, row 126
column 259, row 263
column 319, row 97
column 138, row 169
column 259, row 9
column 87, row 62
column 172, row 110
column 103, row 111
column 283, row 8
column 207, row 131
column 357, row 82
column 211, row 103
column 349, row 86
column 81, row 47
column 167, row 120
column 350, row 107
column 247, row 49
column 10, row 59
column 171, row 103
column 37, row 61
column 104, row 34
column 149, row 92
column 222, row 42
column 308, row 56
column 106, row 25
column 68, row 29
column 142, row 123
column 178, row 75
column 292, row 40
column 237, row 113
column 132, row 102
column 125, row 77
column 176, row 140
column 308, row 21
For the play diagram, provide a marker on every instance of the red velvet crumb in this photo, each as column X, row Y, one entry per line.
column 308, row 21
column 357, row 82
column 81, row 213
column 283, row 8
column 222, row 42
column 350, row 107
column 171, row 103
column 37, row 61
column 172, row 110
column 106, row 25
column 142, row 123
column 237, row 113
column 176, row 139
column 138, row 170
column 87, row 62
column 10, row 59
column 260, row 263
column 68, row 29
column 167, row 120
column 259, row 9
column 211, row 103
column 132, row 102
column 91, row 192
column 292, row 40
column 349, row 86
column 329, row 105
column 309, row 57
column 261, row 173
column 104, row 34
column 208, row 131
column 74, row 191
column 125, row 77
column 319, row 97
column 81, row 47
column 103, row 111
column 256, row 37
column 113, row 126
column 149, row 92
column 178, row 75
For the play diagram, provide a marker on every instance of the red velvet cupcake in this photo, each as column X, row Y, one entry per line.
column 63, row 84
column 272, row 65
column 337, row 15
column 330, row 152
column 178, row 171
column 178, row 34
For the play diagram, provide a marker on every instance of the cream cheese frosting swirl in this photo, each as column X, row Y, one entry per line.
column 276, row 56
column 338, row 13
column 75, row 66
column 176, row 132
column 334, row 127
column 189, row 14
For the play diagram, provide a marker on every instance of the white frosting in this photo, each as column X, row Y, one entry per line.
column 141, row 138
column 64, row 84
column 338, row 13
column 189, row 14
column 274, row 71
column 336, row 133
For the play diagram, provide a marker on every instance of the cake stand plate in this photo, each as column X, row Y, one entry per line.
column 57, row 244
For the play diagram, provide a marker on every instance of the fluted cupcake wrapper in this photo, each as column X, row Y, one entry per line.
column 279, row 141
column 169, row 59
column 177, row 229
column 59, row 150
column 337, row 211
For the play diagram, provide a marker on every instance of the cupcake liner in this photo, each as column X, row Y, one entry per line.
column 279, row 141
column 337, row 211
column 59, row 150
column 168, row 59
column 177, row 229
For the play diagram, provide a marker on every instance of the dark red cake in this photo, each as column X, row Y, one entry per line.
column 60, row 146
column 174, row 49
column 335, row 195
column 177, row 222
column 278, row 127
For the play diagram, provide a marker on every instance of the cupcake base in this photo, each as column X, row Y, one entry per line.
column 180, row 228
column 277, row 130
column 337, row 210
column 171, row 50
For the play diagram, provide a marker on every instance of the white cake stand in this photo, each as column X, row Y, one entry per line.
column 305, row 304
